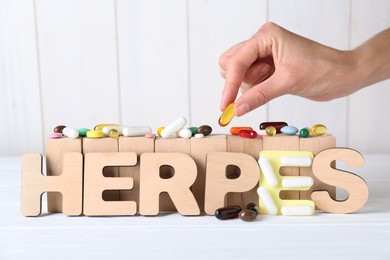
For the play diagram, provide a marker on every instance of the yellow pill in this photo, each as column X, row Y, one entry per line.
column 318, row 129
column 95, row 134
column 271, row 131
column 100, row 126
column 159, row 130
column 227, row 115
column 113, row 133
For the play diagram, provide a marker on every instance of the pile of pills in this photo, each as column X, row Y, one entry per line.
column 248, row 214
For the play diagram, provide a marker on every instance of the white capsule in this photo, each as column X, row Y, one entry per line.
column 174, row 127
column 267, row 200
column 184, row 133
column 297, row 182
column 297, row 210
column 262, row 132
column 199, row 135
column 303, row 161
column 107, row 129
column 136, row 130
column 268, row 172
column 70, row 132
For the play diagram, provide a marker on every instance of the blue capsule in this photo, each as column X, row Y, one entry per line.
column 289, row 130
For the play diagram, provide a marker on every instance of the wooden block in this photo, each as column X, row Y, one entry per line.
column 356, row 187
column 55, row 151
column 217, row 183
column 253, row 147
column 101, row 145
column 170, row 145
column 95, row 184
column 199, row 149
column 139, row 145
column 177, row 186
column 316, row 144
column 281, row 142
column 69, row 183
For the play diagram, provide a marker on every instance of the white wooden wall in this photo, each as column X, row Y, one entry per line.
column 146, row 62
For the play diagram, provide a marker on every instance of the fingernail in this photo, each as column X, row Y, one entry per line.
column 242, row 109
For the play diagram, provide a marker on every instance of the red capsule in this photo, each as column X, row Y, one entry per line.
column 228, row 212
column 247, row 133
column 277, row 125
column 236, row 129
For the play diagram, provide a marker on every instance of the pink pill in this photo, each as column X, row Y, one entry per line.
column 150, row 135
column 55, row 135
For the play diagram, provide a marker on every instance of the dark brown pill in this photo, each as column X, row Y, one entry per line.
column 205, row 130
column 247, row 215
column 228, row 212
column 252, row 206
column 277, row 125
column 58, row 129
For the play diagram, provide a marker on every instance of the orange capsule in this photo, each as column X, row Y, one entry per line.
column 236, row 129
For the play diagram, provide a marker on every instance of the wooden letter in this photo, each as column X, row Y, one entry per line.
column 95, row 183
column 356, row 186
column 69, row 184
column 218, row 185
column 177, row 186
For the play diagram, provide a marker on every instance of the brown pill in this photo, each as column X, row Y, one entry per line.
column 277, row 125
column 228, row 212
column 205, row 130
column 247, row 215
column 58, row 129
column 252, row 206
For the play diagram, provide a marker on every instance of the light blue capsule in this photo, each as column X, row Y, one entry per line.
column 289, row 130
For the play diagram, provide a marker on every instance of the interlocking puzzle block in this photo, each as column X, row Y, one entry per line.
column 55, row 151
column 252, row 147
column 199, row 149
column 315, row 144
column 170, row 145
column 139, row 145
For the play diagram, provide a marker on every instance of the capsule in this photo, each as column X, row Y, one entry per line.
column 69, row 132
column 58, row 129
column 95, row 134
column 194, row 130
column 227, row 115
column 235, row 129
column 271, row 131
column 159, row 130
column 83, row 132
column 252, row 206
column 173, row 127
column 106, row 130
column 228, row 212
column 278, row 125
column 318, row 129
column 304, row 132
column 184, row 133
column 289, row 130
column 114, row 133
column 247, row 215
column 100, row 126
column 248, row 133
column 205, row 130
column 136, row 130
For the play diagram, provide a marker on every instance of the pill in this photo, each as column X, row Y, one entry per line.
column 267, row 200
column 83, row 132
column 247, row 215
column 194, row 130
column 236, row 129
column 252, row 206
column 297, row 182
column 70, row 132
column 159, row 130
column 303, row 161
column 271, row 131
column 318, row 129
column 95, row 134
column 136, row 130
column 58, row 129
column 227, row 115
column 55, row 135
column 228, row 212
column 205, row 130
column 289, row 130
column 173, row 127
column 304, row 132
column 114, row 133
column 150, row 136
column 267, row 170
column 248, row 133
column 107, row 129
column 100, row 126
column 277, row 125
column 184, row 133
column 297, row 210
column 199, row 136
column 262, row 132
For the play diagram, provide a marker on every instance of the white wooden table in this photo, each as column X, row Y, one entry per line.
column 362, row 235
